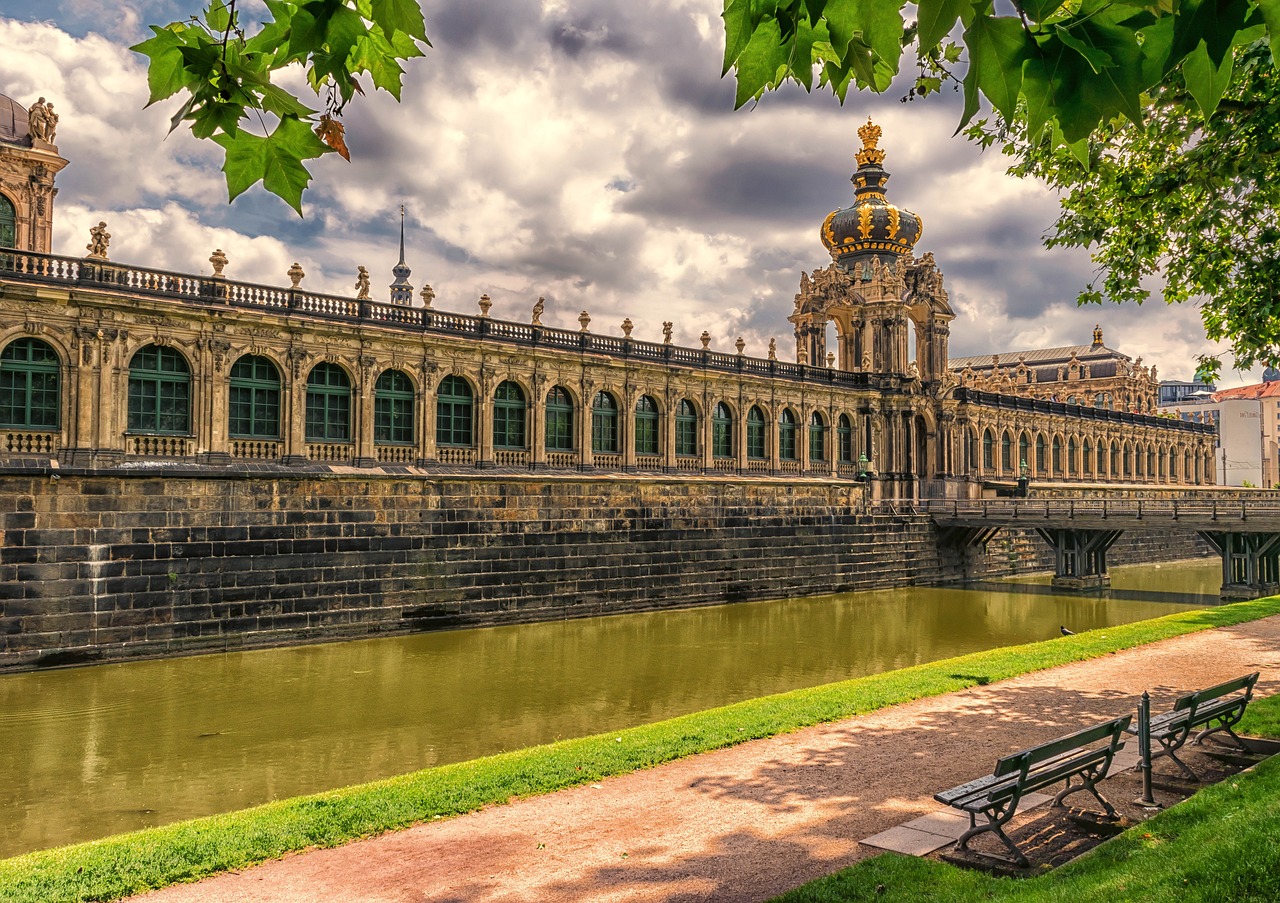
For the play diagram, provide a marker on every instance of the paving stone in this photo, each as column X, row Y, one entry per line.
column 944, row 822
column 908, row 841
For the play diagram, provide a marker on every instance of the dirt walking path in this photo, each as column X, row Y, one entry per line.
column 746, row 823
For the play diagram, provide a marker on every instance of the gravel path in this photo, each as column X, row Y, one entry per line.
column 746, row 823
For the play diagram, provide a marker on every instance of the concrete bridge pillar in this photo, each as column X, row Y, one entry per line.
column 1250, row 563
column 1080, row 556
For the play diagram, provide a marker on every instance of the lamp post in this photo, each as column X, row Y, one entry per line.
column 862, row 467
column 1024, row 477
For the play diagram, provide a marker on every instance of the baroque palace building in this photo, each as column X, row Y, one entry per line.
column 104, row 364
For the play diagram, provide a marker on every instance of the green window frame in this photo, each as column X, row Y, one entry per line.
column 29, row 385
column 455, row 405
column 1071, row 457
column 8, row 223
column 509, row 415
column 253, row 399
column 1040, row 454
column 1057, row 456
column 755, row 433
column 817, row 438
column 1151, row 462
column 722, row 431
column 1024, row 449
column 328, row 404
column 787, row 435
column 1006, row 453
column 1087, row 460
column 159, row 392
column 559, row 420
column 1115, row 458
column 988, row 450
column 393, row 409
column 686, row 428
column 646, row 426
column 604, row 424
column 844, row 439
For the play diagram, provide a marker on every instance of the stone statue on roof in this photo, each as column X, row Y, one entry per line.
column 99, row 239
column 41, row 121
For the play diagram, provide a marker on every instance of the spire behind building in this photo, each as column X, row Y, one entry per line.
column 401, row 290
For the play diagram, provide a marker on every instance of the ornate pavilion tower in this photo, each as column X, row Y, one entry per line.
column 28, row 163
column 879, row 297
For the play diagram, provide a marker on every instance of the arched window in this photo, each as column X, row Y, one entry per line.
column 1071, row 457
column 722, row 431
column 29, row 385
column 646, row 426
column 1173, row 465
column 1088, row 458
column 755, row 433
column 817, row 438
column 1041, row 466
column 509, row 415
column 1024, row 450
column 786, row 436
column 159, row 391
column 1128, row 460
column 1099, row 400
column 253, row 409
column 559, row 420
column 453, row 412
column 686, row 428
column 393, row 409
column 1006, row 453
column 844, row 438
column 1115, row 458
column 1057, row 456
column 1151, row 462
column 988, row 450
column 1102, row 459
column 604, row 424
column 328, row 404
column 8, row 223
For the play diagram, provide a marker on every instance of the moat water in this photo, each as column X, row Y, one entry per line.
column 94, row 751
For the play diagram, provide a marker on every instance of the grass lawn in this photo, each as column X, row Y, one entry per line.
column 131, row 863
column 1220, row 846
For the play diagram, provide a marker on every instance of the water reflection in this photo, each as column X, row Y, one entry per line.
column 94, row 751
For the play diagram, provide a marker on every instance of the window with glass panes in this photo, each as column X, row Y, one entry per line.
column 722, row 431
column 559, row 420
column 844, row 437
column 1057, row 456
column 604, row 424
column 1087, row 462
column 8, row 223
column 159, row 391
column 988, row 451
column 686, row 428
column 1071, row 457
column 393, row 404
column 1040, row 453
column 817, row 438
column 328, row 404
column 755, row 433
column 1006, row 452
column 1024, row 456
column 646, row 426
column 509, row 412
column 29, row 385
column 253, row 410
column 453, row 412
column 787, row 435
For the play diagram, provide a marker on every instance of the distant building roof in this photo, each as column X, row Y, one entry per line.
column 14, row 125
column 1257, row 390
column 1096, row 356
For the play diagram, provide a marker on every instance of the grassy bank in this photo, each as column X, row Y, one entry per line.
column 1221, row 844
column 131, row 863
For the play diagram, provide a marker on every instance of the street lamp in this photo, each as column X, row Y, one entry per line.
column 862, row 466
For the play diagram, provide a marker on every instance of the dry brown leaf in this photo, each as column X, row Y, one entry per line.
column 331, row 132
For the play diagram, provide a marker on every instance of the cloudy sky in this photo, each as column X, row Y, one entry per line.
column 584, row 150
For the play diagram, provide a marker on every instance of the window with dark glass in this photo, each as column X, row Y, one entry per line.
column 817, row 438
column 559, row 420
column 253, row 410
column 988, row 450
column 453, row 412
column 393, row 404
column 786, row 436
column 722, row 431
column 29, row 385
column 159, row 391
column 1057, row 455
column 1024, row 455
column 1006, row 453
column 686, row 428
column 604, row 424
column 328, row 404
column 646, row 426
column 1071, row 457
column 755, row 433
column 1115, row 459
column 1040, row 454
column 509, row 415
column 8, row 223
column 844, row 437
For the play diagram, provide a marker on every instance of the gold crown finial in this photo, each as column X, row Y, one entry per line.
column 870, row 153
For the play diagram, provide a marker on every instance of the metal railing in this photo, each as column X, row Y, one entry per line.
column 1189, row 507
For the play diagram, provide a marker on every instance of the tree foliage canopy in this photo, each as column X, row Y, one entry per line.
column 227, row 70
column 1156, row 120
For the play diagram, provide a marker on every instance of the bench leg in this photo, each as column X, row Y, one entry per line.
column 1213, row 730
column 996, row 819
column 1168, row 748
column 1086, row 783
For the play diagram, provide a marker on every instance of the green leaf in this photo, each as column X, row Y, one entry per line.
column 997, row 49
column 1097, row 58
column 739, row 24
column 373, row 55
column 759, row 62
column 399, row 15
column 1270, row 12
column 166, row 71
column 1213, row 21
column 275, row 160
column 1206, row 82
column 1039, row 10
column 218, row 17
column 936, row 18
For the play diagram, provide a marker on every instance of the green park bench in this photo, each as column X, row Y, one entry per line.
column 1084, row 756
column 1215, row 709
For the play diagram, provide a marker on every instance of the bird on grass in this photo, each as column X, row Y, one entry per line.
column 1066, row 632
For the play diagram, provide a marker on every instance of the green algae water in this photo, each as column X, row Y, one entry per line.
column 94, row 751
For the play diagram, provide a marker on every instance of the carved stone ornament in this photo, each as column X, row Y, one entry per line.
column 705, row 338
column 296, row 274
column 740, row 344
column 666, row 332
column 585, row 319
column 99, row 240
column 428, row 294
column 485, row 304
column 627, row 326
column 773, row 349
column 362, row 284
column 538, row 307
column 831, row 359
column 219, row 260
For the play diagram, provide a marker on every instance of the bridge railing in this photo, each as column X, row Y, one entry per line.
column 1207, row 509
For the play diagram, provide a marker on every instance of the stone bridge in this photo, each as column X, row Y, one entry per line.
column 1081, row 527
